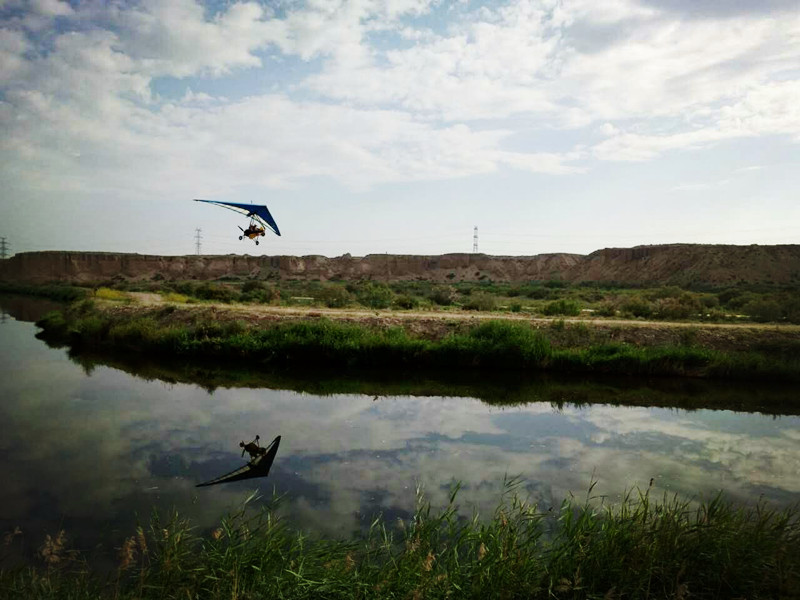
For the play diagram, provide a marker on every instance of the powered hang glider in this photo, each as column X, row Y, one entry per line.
column 260, row 218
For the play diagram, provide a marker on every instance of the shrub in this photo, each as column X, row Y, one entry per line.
column 677, row 308
column 562, row 307
column 539, row 293
column 406, row 302
column 443, row 295
column 334, row 296
column 606, row 309
column 763, row 310
column 555, row 283
column 791, row 309
column 740, row 301
column 375, row 295
column 187, row 288
column 215, row 291
column 265, row 294
column 726, row 296
column 252, row 286
column 515, row 307
column 709, row 301
column 636, row 306
column 481, row 301
column 665, row 292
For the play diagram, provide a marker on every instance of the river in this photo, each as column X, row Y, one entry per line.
column 92, row 445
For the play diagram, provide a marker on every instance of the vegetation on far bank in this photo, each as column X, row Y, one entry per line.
column 494, row 344
column 757, row 303
column 638, row 548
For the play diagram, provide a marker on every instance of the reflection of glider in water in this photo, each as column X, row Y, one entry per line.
column 258, row 467
column 260, row 218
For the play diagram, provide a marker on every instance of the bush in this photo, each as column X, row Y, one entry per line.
column 741, row 300
column 406, row 302
column 443, row 295
column 677, row 308
column 265, row 294
column 636, row 306
column 606, row 309
column 481, row 301
column 334, row 296
column 665, row 292
column 214, row 291
column 375, row 295
column 763, row 310
column 709, row 301
column 539, row 293
column 253, row 286
column 562, row 307
column 555, row 283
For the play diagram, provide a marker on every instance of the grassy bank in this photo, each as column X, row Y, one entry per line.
column 60, row 293
column 641, row 548
column 495, row 345
column 557, row 389
column 740, row 303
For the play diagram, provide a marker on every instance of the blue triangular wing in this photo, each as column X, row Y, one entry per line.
column 251, row 210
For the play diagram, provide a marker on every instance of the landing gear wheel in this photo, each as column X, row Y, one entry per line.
column 256, row 242
column 240, row 238
column 263, row 234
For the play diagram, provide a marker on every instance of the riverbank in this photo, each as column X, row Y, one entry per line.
column 639, row 548
column 266, row 336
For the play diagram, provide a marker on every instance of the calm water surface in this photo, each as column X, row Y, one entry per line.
column 91, row 451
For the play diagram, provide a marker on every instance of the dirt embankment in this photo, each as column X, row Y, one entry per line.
column 88, row 267
column 675, row 264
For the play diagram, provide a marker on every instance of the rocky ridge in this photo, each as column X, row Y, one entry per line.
column 673, row 264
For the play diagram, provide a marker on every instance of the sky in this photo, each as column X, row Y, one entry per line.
column 399, row 126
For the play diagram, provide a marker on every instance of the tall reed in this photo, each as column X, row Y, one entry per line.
column 638, row 548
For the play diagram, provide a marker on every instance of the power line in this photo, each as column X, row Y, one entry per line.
column 197, row 237
column 4, row 247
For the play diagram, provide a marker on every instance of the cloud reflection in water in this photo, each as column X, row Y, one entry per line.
column 88, row 453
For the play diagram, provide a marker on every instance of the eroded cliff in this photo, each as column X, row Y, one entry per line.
column 681, row 264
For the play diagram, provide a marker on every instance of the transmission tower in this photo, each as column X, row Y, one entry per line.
column 197, row 237
column 475, row 239
column 3, row 247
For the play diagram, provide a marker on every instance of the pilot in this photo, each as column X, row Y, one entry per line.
column 252, row 448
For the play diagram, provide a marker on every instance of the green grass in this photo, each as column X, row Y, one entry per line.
column 105, row 293
column 759, row 303
column 495, row 345
column 638, row 548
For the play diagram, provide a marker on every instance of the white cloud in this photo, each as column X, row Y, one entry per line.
column 13, row 45
column 51, row 8
column 175, row 38
column 79, row 109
